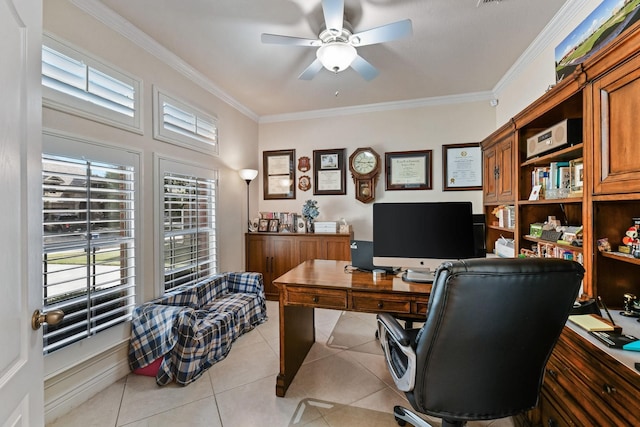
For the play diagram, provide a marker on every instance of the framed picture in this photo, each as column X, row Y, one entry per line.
column 263, row 225
column 279, row 174
column 330, row 172
column 577, row 176
column 462, row 167
column 273, row 225
column 408, row 170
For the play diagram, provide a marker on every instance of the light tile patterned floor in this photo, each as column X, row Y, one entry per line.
column 334, row 388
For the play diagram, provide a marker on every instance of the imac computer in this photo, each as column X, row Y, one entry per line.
column 418, row 237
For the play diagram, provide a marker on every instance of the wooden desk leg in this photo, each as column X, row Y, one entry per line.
column 297, row 335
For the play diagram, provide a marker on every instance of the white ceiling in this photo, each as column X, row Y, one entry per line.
column 457, row 47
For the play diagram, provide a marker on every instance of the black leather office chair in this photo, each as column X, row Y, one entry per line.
column 490, row 328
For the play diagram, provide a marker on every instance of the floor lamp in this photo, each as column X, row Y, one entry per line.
column 248, row 175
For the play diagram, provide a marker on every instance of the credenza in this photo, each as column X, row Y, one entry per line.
column 273, row 254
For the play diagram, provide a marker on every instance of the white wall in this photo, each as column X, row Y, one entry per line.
column 532, row 81
column 424, row 128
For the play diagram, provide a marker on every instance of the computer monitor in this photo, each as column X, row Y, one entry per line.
column 418, row 237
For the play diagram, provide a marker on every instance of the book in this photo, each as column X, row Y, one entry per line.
column 593, row 323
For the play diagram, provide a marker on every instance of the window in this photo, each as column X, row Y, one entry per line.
column 178, row 123
column 78, row 84
column 189, row 232
column 88, row 255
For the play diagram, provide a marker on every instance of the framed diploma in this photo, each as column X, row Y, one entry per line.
column 462, row 167
column 408, row 170
column 330, row 172
column 279, row 173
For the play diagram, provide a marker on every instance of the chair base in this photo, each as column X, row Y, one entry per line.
column 404, row 416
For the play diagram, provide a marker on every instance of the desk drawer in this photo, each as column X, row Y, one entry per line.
column 367, row 301
column 317, row 297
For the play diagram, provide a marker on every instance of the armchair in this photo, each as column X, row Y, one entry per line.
column 490, row 328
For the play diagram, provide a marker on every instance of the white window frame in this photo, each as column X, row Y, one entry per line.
column 165, row 165
column 190, row 140
column 67, row 145
column 71, row 104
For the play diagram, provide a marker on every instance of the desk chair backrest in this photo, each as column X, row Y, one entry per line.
column 491, row 326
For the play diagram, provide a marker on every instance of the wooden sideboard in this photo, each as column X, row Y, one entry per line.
column 273, row 254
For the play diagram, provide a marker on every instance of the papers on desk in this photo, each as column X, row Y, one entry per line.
column 592, row 323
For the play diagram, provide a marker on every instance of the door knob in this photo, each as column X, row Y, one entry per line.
column 52, row 317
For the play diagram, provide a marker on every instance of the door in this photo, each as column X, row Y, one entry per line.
column 21, row 361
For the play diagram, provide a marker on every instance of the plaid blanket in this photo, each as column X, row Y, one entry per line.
column 193, row 327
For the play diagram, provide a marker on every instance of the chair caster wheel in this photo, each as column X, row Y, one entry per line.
column 400, row 422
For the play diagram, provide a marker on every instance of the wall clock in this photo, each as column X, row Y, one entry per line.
column 364, row 164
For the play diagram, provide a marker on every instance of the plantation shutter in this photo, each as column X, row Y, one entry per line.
column 88, row 246
column 190, row 252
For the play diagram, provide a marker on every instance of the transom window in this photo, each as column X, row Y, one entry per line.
column 179, row 123
column 80, row 84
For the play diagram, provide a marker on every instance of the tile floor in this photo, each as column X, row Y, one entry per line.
column 335, row 387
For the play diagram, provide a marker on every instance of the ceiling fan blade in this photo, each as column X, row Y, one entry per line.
column 364, row 68
column 311, row 71
column 333, row 14
column 384, row 33
column 288, row 40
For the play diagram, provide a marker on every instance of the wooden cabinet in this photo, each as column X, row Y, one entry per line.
column 584, row 386
column 497, row 157
column 273, row 254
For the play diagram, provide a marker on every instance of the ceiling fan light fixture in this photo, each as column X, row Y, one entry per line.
column 336, row 56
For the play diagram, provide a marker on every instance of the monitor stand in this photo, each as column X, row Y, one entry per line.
column 418, row 275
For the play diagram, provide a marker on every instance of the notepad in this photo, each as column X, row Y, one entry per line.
column 591, row 322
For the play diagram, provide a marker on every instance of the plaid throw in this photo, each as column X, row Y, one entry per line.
column 193, row 327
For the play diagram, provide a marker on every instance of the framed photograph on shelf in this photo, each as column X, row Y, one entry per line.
column 462, row 167
column 263, row 225
column 273, row 225
column 408, row 170
column 330, row 172
column 577, row 177
column 279, row 174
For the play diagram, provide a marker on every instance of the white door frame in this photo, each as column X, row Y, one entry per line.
column 21, row 360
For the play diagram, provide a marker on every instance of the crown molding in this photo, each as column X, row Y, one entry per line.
column 567, row 12
column 125, row 28
column 383, row 106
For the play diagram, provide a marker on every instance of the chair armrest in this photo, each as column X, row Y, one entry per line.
column 398, row 333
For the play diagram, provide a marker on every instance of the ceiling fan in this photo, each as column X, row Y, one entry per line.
column 337, row 43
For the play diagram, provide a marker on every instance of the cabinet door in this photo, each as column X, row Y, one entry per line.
column 282, row 256
column 337, row 248
column 258, row 259
column 490, row 182
column 308, row 247
column 616, row 108
column 506, row 172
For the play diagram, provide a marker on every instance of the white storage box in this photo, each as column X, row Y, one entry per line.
column 504, row 248
column 325, row 227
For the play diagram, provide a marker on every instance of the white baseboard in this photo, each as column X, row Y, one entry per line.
column 75, row 386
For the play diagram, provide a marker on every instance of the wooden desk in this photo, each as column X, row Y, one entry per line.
column 325, row 284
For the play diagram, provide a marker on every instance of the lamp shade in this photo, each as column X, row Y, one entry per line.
column 248, row 174
column 336, row 56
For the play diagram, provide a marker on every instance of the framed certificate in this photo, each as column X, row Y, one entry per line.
column 330, row 172
column 408, row 170
column 279, row 174
column 462, row 167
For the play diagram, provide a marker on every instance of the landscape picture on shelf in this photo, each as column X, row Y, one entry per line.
column 604, row 24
